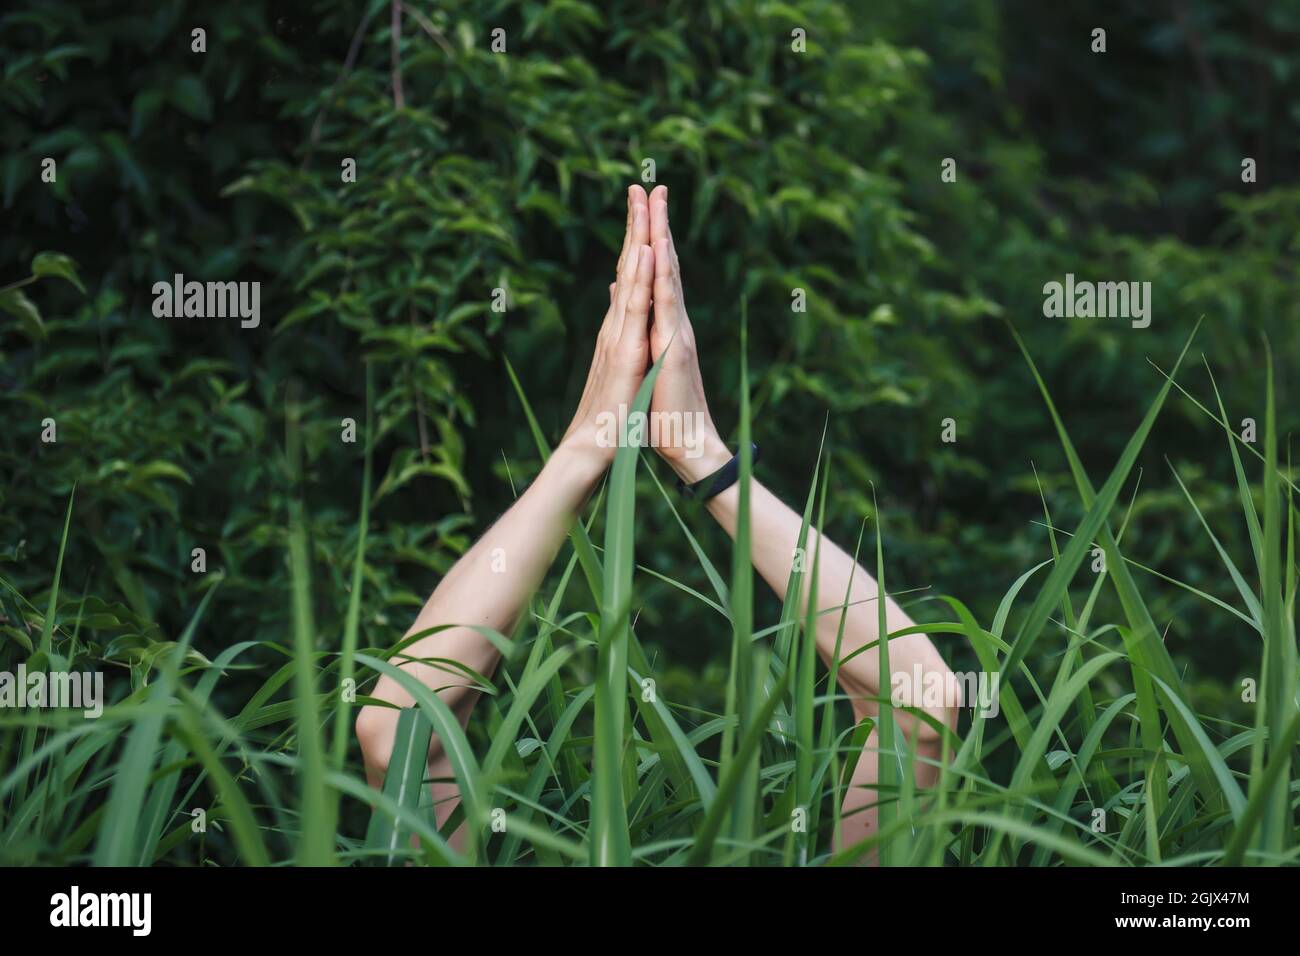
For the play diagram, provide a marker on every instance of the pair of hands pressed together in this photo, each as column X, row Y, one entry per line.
column 648, row 276
column 646, row 320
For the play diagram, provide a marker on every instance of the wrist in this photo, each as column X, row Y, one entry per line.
column 698, row 463
column 578, row 465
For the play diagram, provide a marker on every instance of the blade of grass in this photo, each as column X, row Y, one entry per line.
column 1278, row 672
column 403, row 783
column 749, row 666
column 352, row 622
column 1148, row 655
column 316, row 808
column 452, row 740
column 889, row 767
column 119, row 837
column 610, row 843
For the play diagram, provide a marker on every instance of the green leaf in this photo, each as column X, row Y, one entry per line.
column 58, row 265
column 402, row 783
column 24, row 310
column 191, row 97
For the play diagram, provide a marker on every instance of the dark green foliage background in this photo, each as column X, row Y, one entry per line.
column 818, row 171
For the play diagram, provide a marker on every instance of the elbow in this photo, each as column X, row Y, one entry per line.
column 940, row 707
column 927, row 698
column 928, row 733
column 375, row 728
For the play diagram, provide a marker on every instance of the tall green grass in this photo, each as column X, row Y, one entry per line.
column 583, row 765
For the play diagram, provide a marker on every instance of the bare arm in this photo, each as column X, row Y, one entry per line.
column 774, row 537
column 491, row 584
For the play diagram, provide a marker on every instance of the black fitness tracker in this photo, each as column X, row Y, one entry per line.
column 720, row 480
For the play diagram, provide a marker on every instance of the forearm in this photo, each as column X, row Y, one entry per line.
column 492, row 582
column 915, row 663
column 488, row 587
column 774, row 542
column 914, row 660
column 774, row 539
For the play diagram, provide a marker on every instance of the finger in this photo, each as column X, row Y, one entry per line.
column 612, row 287
column 636, row 199
column 662, row 229
column 638, row 215
column 658, row 214
column 636, row 315
column 666, row 297
column 641, row 215
column 659, row 225
column 627, row 235
column 623, row 286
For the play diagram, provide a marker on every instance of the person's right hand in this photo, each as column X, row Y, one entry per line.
column 680, row 386
column 622, row 345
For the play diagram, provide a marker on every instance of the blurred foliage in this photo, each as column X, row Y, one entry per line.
column 816, row 170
